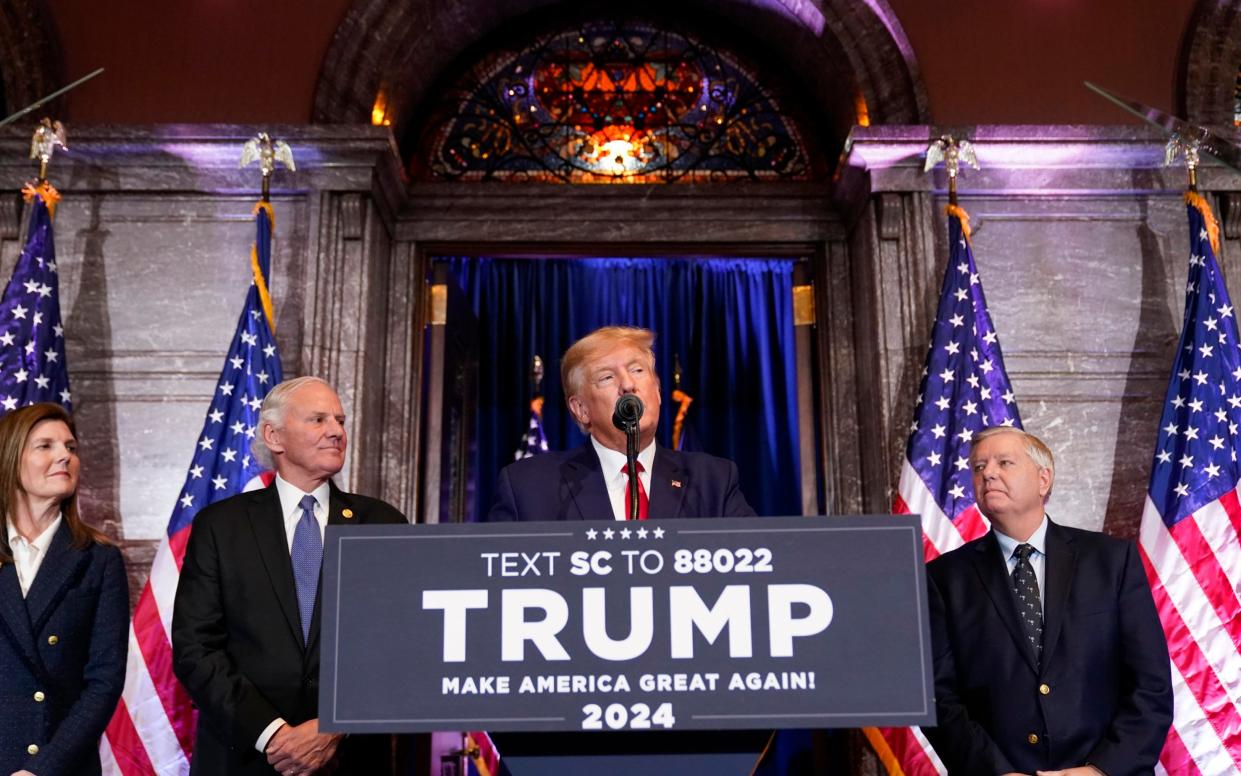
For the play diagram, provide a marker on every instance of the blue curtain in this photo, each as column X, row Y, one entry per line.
column 730, row 321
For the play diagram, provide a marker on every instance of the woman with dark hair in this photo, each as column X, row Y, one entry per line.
column 64, row 605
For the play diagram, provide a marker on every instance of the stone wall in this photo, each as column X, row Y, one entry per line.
column 1079, row 233
column 153, row 237
column 1082, row 244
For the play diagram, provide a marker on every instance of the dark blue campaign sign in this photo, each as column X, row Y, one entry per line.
column 660, row 625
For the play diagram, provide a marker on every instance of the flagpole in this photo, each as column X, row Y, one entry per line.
column 964, row 385
column 1191, row 492
column 152, row 730
column 952, row 153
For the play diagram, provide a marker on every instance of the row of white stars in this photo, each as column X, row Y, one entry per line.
column 10, row 403
column 35, row 287
column 219, row 483
column 7, row 337
column 238, row 427
column 7, row 340
column 625, row 533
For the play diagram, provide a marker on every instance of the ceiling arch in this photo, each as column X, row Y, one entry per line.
column 853, row 61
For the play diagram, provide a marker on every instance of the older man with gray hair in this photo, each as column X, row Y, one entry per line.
column 1049, row 656
column 245, row 627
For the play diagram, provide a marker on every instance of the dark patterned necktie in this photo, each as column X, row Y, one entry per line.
column 1029, row 609
column 307, row 556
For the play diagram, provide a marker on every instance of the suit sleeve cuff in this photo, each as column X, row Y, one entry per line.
column 268, row 732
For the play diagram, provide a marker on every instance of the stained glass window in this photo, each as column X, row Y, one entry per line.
column 612, row 101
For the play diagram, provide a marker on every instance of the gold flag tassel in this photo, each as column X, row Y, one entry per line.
column 47, row 137
column 962, row 216
column 44, row 190
column 1196, row 200
column 259, row 280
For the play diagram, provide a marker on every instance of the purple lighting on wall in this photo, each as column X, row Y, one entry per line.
column 803, row 12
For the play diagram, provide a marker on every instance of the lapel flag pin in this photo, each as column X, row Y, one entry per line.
column 676, row 483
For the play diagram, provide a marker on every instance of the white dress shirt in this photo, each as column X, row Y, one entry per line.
column 618, row 484
column 1038, row 558
column 291, row 508
column 28, row 556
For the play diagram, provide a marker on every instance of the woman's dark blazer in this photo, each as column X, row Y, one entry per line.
column 62, row 658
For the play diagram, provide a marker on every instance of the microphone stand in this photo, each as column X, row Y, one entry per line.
column 631, row 458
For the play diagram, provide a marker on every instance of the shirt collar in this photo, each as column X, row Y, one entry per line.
column 291, row 496
column 1037, row 540
column 42, row 541
column 612, row 461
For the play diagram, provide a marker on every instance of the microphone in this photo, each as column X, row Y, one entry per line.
column 628, row 412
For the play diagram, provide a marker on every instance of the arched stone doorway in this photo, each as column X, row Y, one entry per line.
column 388, row 61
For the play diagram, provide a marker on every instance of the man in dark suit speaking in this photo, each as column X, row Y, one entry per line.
column 591, row 482
column 245, row 627
column 1049, row 656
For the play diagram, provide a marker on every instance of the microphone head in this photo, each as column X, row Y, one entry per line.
column 628, row 411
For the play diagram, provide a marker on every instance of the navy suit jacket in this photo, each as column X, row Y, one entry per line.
column 66, row 640
column 1102, row 694
column 569, row 486
column 237, row 635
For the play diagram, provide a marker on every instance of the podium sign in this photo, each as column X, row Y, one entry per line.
column 689, row 624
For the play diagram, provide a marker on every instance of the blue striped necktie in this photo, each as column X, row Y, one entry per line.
column 307, row 557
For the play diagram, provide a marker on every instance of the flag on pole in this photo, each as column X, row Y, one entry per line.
column 679, row 429
column 152, row 730
column 484, row 758
column 1190, row 535
column 534, row 441
column 32, row 342
column 964, row 389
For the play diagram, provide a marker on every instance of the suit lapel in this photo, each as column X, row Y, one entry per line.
column 268, row 525
column 1061, row 563
column 993, row 575
column 669, row 481
column 583, row 477
column 61, row 566
column 14, row 617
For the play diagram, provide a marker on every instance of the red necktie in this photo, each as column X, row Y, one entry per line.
column 642, row 501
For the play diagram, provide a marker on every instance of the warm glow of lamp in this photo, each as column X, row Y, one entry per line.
column 863, row 113
column 615, row 152
column 379, row 111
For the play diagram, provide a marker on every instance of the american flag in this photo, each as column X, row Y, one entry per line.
column 534, row 441
column 964, row 389
column 679, row 427
column 32, row 341
column 1190, row 534
column 484, row 758
column 152, row 730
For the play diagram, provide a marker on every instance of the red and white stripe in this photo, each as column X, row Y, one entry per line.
column 910, row 751
column 1194, row 570
column 940, row 534
column 152, row 731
